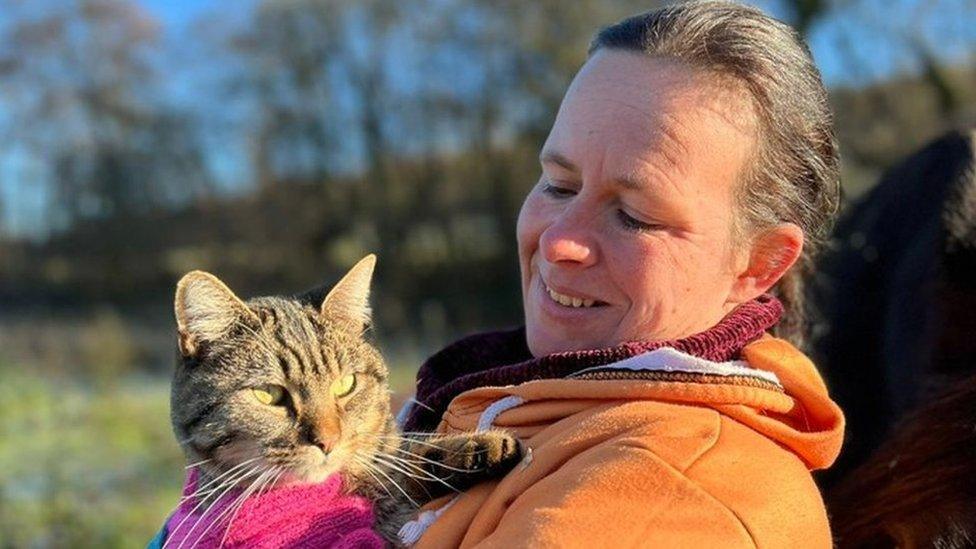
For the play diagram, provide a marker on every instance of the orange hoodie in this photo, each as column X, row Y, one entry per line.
column 662, row 450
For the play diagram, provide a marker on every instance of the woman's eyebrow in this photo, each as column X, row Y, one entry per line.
column 631, row 182
column 557, row 158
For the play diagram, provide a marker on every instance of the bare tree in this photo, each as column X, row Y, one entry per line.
column 82, row 92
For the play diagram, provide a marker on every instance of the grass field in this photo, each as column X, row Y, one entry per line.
column 84, row 466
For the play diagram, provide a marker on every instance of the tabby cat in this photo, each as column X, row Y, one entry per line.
column 292, row 386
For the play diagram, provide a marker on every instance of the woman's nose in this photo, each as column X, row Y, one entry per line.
column 567, row 241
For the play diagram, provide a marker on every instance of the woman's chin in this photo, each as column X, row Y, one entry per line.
column 548, row 340
column 554, row 328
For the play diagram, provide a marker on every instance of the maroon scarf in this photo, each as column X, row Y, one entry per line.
column 495, row 359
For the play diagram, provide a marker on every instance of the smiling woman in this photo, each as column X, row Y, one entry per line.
column 689, row 178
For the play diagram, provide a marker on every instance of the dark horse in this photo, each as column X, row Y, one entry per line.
column 898, row 297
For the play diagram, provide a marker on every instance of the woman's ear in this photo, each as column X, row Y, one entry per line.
column 771, row 254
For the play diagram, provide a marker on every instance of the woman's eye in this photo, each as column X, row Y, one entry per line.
column 270, row 394
column 634, row 224
column 558, row 191
column 344, row 385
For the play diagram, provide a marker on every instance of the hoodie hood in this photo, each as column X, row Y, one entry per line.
column 660, row 448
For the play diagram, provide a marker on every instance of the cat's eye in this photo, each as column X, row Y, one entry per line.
column 272, row 395
column 344, row 385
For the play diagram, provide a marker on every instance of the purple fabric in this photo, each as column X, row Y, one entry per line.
column 497, row 359
column 306, row 516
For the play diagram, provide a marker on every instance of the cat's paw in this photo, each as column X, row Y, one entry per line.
column 490, row 452
column 479, row 456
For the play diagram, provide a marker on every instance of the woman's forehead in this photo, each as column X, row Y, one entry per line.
column 642, row 117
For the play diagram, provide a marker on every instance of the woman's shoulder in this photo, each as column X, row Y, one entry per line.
column 766, row 485
column 740, row 472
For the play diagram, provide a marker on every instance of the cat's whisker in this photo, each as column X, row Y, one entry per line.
column 238, row 500
column 267, row 483
column 253, row 471
column 407, row 441
column 414, row 434
column 369, row 470
column 238, row 503
column 241, row 501
column 229, row 471
column 397, row 437
column 437, row 463
column 230, row 481
column 398, row 487
column 201, row 462
column 426, row 475
column 279, row 471
column 204, row 489
column 400, row 461
column 230, row 485
column 421, row 404
column 419, row 480
column 270, row 484
column 370, row 466
column 226, row 485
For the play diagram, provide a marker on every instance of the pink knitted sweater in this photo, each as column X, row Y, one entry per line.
column 318, row 515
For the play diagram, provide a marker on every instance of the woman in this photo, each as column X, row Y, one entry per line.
column 691, row 169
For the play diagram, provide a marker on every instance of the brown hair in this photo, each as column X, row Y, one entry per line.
column 795, row 175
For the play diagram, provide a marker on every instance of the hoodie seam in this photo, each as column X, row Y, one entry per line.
column 699, row 487
column 698, row 459
column 718, row 434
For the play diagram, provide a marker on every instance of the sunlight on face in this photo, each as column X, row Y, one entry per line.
column 628, row 234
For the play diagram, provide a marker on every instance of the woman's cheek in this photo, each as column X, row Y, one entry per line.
column 654, row 269
column 523, row 226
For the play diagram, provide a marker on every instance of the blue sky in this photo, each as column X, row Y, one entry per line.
column 941, row 23
column 177, row 12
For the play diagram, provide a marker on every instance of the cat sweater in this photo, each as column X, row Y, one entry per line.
column 704, row 442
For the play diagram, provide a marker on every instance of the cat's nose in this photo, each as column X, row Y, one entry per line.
column 325, row 433
column 325, row 442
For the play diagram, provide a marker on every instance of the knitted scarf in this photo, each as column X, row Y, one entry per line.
column 312, row 516
column 503, row 358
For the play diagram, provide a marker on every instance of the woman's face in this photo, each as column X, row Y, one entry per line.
column 628, row 234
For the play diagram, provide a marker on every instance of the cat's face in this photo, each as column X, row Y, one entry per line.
column 278, row 384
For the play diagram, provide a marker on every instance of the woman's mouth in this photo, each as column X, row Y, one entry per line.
column 570, row 300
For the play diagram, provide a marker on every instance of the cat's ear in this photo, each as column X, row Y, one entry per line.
column 206, row 310
column 348, row 301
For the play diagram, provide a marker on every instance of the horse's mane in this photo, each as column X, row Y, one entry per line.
column 919, row 488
